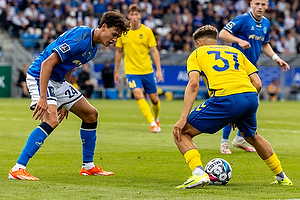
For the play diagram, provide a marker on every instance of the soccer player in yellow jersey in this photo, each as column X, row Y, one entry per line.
column 232, row 100
column 136, row 46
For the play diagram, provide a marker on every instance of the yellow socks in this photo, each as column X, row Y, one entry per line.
column 145, row 109
column 274, row 164
column 193, row 158
column 156, row 109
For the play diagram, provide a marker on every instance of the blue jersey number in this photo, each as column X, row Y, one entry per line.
column 225, row 61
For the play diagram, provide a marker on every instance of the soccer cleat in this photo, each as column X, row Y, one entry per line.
column 21, row 174
column 97, row 171
column 285, row 181
column 243, row 145
column 155, row 129
column 224, row 149
column 194, row 181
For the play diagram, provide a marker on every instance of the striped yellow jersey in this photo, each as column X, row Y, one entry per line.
column 136, row 44
column 224, row 69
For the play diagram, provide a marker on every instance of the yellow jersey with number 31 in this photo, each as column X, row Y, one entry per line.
column 224, row 69
column 136, row 45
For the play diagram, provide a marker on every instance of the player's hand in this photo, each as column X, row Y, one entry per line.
column 116, row 78
column 159, row 76
column 177, row 130
column 62, row 113
column 40, row 109
column 284, row 66
column 244, row 44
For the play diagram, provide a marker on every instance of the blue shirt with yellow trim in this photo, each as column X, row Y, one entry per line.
column 246, row 27
column 74, row 49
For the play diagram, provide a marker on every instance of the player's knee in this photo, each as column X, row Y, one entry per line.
column 91, row 116
column 52, row 122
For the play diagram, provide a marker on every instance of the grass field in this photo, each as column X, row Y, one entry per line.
column 146, row 166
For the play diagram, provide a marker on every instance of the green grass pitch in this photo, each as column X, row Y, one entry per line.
column 146, row 166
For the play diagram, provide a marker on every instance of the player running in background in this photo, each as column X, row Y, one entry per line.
column 232, row 100
column 136, row 46
column 52, row 96
column 250, row 33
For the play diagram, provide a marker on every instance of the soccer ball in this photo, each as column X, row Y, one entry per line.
column 219, row 171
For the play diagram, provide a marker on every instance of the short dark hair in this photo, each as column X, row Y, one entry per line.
column 206, row 31
column 115, row 19
column 134, row 7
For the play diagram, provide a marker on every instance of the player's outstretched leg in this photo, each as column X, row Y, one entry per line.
column 33, row 144
column 240, row 142
column 224, row 148
column 265, row 151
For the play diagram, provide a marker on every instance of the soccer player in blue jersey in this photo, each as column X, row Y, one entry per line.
column 250, row 33
column 232, row 100
column 52, row 96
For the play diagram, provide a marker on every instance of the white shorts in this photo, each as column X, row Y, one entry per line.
column 61, row 94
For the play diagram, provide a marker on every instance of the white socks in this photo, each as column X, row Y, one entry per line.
column 88, row 166
column 17, row 167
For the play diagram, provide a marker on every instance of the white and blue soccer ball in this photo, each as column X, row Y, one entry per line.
column 219, row 171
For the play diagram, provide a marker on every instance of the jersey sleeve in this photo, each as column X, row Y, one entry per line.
column 268, row 30
column 234, row 25
column 152, row 40
column 67, row 49
column 249, row 67
column 192, row 62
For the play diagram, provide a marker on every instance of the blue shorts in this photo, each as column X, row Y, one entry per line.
column 217, row 112
column 139, row 81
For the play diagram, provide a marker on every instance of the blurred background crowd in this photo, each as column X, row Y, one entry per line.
column 172, row 21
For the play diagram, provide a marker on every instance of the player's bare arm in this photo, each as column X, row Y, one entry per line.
column 118, row 58
column 190, row 95
column 46, row 69
column 256, row 82
column 228, row 37
column 156, row 58
column 267, row 49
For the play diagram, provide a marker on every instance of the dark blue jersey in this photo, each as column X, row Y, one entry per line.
column 74, row 49
column 246, row 27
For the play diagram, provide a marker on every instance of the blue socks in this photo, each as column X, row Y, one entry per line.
column 34, row 142
column 88, row 138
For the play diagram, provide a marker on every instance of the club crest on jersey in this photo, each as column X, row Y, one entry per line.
column 141, row 36
column 64, row 47
column 252, row 28
column 265, row 30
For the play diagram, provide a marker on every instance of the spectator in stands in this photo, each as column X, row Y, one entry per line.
column 71, row 20
column 84, row 81
column 80, row 14
column 157, row 10
column 146, row 6
column 167, row 43
column 108, row 76
column 32, row 14
column 168, row 17
column 150, row 22
column 291, row 41
column 20, row 23
column 22, row 81
column 42, row 23
column 274, row 90
column 100, row 8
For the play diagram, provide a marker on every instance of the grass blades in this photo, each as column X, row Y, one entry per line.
column 146, row 165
